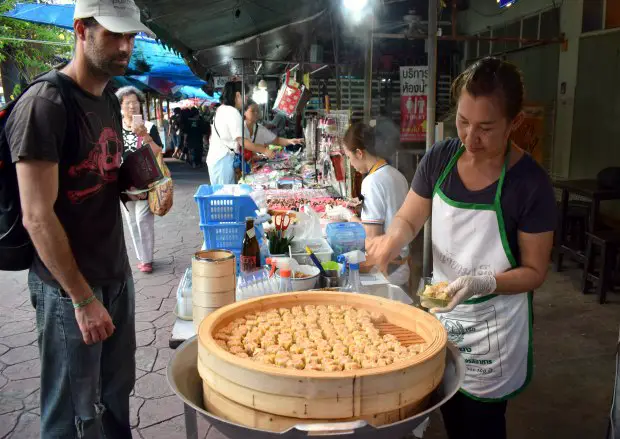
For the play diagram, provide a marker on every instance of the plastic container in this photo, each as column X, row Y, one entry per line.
column 214, row 208
column 345, row 237
column 320, row 247
column 306, row 283
column 184, row 296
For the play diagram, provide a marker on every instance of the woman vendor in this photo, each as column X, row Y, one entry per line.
column 259, row 135
column 384, row 190
column 493, row 216
column 226, row 136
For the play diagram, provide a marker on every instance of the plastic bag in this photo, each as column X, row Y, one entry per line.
column 308, row 224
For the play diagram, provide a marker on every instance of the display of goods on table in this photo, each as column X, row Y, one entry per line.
column 280, row 360
column 318, row 199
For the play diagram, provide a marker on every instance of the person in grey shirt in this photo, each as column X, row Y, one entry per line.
column 67, row 147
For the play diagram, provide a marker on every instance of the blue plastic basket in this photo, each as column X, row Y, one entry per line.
column 228, row 236
column 224, row 208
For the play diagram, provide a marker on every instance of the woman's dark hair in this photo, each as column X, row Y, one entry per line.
column 492, row 77
column 360, row 136
column 177, row 110
column 230, row 91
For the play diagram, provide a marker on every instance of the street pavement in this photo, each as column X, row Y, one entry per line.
column 155, row 411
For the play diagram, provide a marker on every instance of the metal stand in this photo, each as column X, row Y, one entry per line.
column 427, row 257
column 191, row 422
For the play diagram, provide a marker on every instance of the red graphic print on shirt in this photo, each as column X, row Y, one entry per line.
column 103, row 160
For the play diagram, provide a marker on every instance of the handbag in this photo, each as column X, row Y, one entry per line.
column 160, row 197
column 291, row 97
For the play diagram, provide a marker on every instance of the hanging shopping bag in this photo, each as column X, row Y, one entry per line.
column 288, row 98
column 160, row 197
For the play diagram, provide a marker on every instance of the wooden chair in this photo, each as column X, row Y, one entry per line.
column 601, row 274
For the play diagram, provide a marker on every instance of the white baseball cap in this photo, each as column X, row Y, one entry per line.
column 118, row 16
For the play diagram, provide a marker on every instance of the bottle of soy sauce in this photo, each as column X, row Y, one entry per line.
column 250, row 254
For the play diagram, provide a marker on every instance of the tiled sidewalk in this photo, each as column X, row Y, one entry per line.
column 156, row 412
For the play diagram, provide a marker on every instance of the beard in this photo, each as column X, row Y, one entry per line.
column 104, row 65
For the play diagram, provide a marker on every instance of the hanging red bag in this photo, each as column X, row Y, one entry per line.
column 289, row 97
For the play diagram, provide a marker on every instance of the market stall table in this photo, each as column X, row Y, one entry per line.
column 591, row 190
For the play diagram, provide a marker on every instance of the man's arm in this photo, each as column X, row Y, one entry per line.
column 38, row 189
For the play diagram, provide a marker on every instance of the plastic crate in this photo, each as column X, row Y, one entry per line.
column 320, row 247
column 227, row 236
column 224, row 208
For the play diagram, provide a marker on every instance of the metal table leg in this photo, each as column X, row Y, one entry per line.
column 191, row 423
column 561, row 230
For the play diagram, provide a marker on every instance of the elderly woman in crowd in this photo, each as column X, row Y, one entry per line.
column 139, row 217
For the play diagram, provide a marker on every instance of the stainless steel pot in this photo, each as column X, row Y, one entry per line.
column 186, row 383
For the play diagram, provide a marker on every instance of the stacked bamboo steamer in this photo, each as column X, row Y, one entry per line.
column 214, row 282
column 275, row 399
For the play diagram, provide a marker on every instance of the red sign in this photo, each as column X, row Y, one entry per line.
column 413, row 118
column 413, row 101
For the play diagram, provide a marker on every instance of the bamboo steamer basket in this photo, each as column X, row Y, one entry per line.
column 199, row 313
column 213, row 282
column 214, row 263
column 214, row 300
column 301, row 394
column 225, row 408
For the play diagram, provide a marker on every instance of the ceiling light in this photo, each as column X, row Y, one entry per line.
column 355, row 5
column 260, row 96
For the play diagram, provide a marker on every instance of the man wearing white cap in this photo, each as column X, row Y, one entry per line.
column 65, row 137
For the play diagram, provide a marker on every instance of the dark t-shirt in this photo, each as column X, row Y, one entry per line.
column 195, row 128
column 88, row 204
column 528, row 200
column 131, row 140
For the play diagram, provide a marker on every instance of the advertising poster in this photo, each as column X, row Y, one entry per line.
column 413, row 99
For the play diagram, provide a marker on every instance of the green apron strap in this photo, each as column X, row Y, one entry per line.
column 448, row 168
column 502, row 176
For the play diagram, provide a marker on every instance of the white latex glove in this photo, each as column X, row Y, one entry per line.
column 465, row 287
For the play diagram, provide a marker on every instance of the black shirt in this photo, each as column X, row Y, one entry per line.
column 88, row 204
column 195, row 128
column 130, row 140
column 528, row 200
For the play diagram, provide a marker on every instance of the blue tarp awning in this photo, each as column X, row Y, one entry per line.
column 150, row 59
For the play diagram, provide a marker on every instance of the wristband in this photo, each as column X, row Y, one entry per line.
column 84, row 302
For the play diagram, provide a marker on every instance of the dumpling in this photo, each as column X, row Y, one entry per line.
column 351, row 365
column 237, row 350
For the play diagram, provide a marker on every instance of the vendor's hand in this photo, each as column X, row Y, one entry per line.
column 94, row 322
column 465, row 287
column 296, row 141
column 381, row 250
column 270, row 154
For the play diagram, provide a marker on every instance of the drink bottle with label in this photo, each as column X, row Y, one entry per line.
column 250, row 254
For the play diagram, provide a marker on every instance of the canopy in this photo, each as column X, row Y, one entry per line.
column 150, row 58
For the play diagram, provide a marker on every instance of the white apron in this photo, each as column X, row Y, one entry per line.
column 493, row 332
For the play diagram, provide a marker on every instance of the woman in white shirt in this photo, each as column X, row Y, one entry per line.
column 226, row 136
column 384, row 190
column 261, row 135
